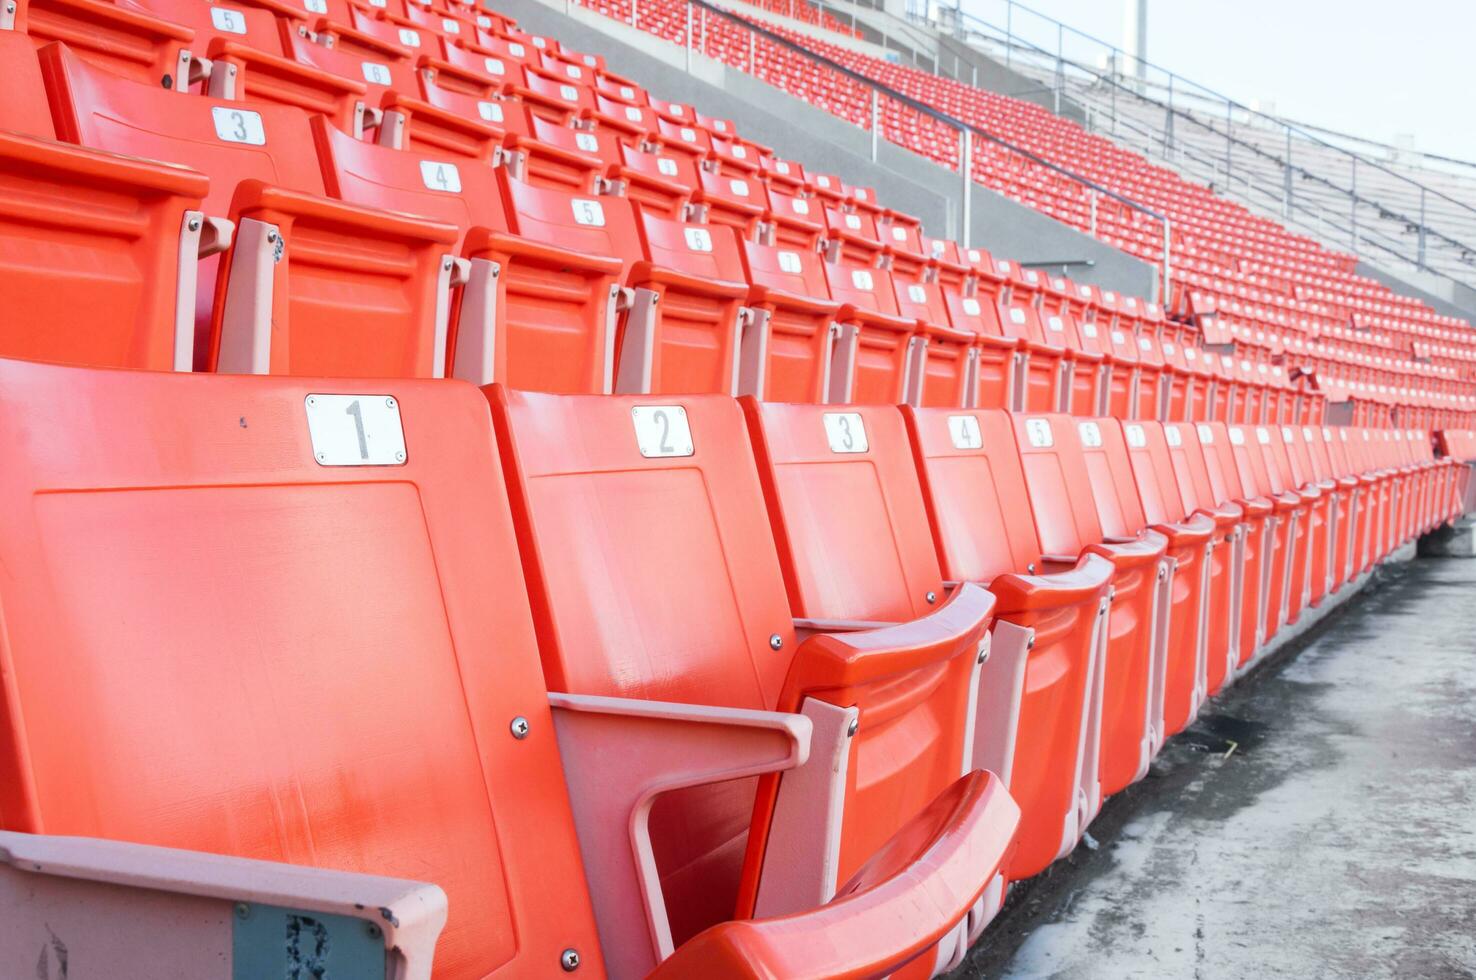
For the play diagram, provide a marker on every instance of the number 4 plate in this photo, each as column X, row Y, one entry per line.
column 355, row 430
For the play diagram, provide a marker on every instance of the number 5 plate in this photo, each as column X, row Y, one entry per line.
column 355, row 430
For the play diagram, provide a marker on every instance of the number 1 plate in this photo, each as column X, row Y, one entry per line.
column 355, row 430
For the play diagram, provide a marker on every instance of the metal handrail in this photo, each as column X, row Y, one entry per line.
column 1420, row 225
column 1216, row 96
column 968, row 129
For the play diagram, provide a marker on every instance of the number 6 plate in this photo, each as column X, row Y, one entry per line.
column 355, row 430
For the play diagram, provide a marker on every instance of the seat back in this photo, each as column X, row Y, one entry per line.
column 975, row 490
column 1060, row 485
column 1220, row 464
column 462, row 193
column 847, row 511
column 1153, row 469
column 687, row 339
column 82, row 232
column 1114, row 488
column 306, row 288
column 1191, row 472
column 276, row 650
column 1250, row 460
column 789, row 286
column 690, row 615
column 557, row 287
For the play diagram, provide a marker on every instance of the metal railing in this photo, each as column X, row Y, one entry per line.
column 1060, row 51
column 967, row 131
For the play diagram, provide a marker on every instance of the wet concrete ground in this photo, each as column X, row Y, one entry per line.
column 1318, row 820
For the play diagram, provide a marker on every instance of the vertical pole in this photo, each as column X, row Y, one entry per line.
column 634, row 19
column 1286, row 205
column 1168, row 121
column 974, row 75
column 752, row 53
column 1116, row 58
column 1229, row 121
column 1009, row 30
column 1420, row 264
column 1353, row 208
column 966, row 172
column 689, row 39
column 1164, row 297
column 702, row 30
column 1092, row 199
column 1060, row 67
column 875, row 121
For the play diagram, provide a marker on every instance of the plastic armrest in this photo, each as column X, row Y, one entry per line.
column 363, row 40
column 467, row 76
column 1085, row 578
column 828, row 660
column 105, row 16
column 943, row 332
column 531, row 97
column 285, row 68
column 160, row 911
column 1256, row 506
column 484, row 243
column 667, row 188
column 1193, row 531
column 101, row 167
column 254, row 196
column 647, row 272
column 839, row 625
column 1140, row 551
column 418, row 109
column 536, row 148
column 1286, row 500
column 1224, row 515
column 850, row 313
column 997, row 342
column 620, row 754
column 783, row 299
column 897, row 907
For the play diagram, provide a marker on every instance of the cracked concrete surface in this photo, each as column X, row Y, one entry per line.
column 1318, row 820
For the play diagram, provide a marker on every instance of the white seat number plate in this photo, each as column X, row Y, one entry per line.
column 355, row 430
column 845, row 432
column 662, row 430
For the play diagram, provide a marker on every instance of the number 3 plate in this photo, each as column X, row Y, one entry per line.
column 355, row 430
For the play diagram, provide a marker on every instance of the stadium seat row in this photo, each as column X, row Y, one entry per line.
column 1227, row 263
column 578, row 250
column 528, row 682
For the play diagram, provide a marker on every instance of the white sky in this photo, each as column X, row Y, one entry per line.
column 1368, row 67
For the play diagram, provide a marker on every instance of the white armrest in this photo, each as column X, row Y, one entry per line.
column 805, row 628
column 159, row 911
column 619, row 754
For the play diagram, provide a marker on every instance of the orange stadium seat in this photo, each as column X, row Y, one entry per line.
column 975, row 489
column 474, row 800
column 310, row 285
column 706, row 622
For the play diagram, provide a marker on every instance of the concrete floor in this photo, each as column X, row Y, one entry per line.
column 1318, row 820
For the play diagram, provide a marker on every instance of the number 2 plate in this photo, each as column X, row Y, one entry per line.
column 662, row 430
column 355, row 430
